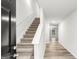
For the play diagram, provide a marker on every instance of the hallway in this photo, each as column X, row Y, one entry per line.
column 55, row 50
column 32, row 37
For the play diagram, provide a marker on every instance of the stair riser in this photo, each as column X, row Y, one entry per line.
column 25, row 41
column 25, row 45
column 31, row 29
column 28, row 35
column 35, row 23
column 24, row 50
column 24, row 57
column 29, row 32
column 34, row 26
column 23, row 54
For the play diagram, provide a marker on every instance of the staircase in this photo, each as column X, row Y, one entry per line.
column 25, row 48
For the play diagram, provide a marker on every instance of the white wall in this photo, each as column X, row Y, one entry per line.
column 47, row 33
column 25, row 14
column 36, row 8
column 68, row 33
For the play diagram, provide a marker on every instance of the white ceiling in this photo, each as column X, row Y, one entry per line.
column 58, row 8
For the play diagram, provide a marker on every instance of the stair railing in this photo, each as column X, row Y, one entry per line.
column 39, row 39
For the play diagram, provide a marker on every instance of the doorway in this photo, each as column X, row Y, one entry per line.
column 53, row 32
